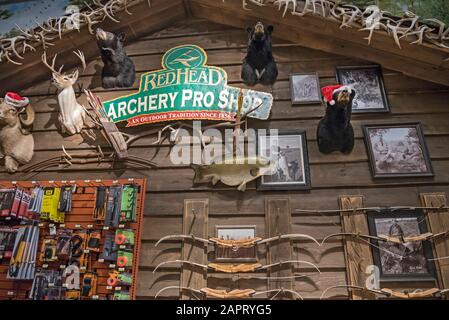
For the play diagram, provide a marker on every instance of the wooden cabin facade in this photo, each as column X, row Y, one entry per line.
column 417, row 91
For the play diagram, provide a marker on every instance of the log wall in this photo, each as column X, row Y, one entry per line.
column 411, row 100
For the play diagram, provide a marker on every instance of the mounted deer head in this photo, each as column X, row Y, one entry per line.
column 61, row 79
column 72, row 114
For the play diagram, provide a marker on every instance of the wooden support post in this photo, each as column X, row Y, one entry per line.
column 196, row 213
column 278, row 216
column 439, row 222
column 358, row 253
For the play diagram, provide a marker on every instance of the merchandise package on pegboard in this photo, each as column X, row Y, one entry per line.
column 70, row 240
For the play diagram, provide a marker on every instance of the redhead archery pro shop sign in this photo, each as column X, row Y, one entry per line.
column 186, row 89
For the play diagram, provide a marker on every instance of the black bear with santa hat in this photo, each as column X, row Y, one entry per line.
column 335, row 132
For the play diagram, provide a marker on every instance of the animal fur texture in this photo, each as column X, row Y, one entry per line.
column 335, row 132
column 259, row 65
column 16, row 144
column 118, row 70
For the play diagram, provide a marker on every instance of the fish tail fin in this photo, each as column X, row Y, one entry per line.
column 198, row 174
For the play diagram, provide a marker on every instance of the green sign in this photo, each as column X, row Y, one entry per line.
column 186, row 89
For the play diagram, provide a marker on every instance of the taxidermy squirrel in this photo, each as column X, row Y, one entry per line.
column 335, row 132
column 259, row 65
column 16, row 144
column 118, row 70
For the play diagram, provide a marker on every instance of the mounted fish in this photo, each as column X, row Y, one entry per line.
column 118, row 70
column 233, row 172
column 16, row 143
column 72, row 115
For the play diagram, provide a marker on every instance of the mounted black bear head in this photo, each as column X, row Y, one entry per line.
column 119, row 70
column 343, row 96
column 259, row 34
column 259, row 64
column 335, row 132
column 109, row 43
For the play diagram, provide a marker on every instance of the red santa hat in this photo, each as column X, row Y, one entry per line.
column 15, row 100
column 329, row 91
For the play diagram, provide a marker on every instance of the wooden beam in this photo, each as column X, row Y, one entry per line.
column 277, row 217
column 358, row 253
column 439, row 222
column 196, row 213
column 322, row 34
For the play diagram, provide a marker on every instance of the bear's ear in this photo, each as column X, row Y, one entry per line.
column 121, row 37
column 352, row 94
column 270, row 29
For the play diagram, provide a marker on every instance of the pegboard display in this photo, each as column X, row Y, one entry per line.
column 90, row 226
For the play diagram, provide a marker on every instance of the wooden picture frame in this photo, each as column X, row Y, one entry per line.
column 401, row 262
column 305, row 88
column 292, row 162
column 368, row 83
column 393, row 148
column 235, row 232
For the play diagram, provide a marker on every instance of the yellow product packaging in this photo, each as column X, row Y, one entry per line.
column 50, row 204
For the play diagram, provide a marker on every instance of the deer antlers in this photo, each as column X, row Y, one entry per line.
column 48, row 30
column 410, row 27
column 78, row 53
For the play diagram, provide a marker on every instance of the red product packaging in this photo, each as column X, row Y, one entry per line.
column 24, row 204
column 6, row 201
column 16, row 203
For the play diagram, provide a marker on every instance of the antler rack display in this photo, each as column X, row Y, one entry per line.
column 410, row 27
column 13, row 49
column 115, row 138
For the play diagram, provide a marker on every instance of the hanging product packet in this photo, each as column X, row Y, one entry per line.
column 128, row 203
column 101, row 199
column 6, row 201
column 112, row 218
column 65, row 199
column 23, row 258
column 16, row 203
column 24, row 205
column 50, row 203
column 35, row 207
column 7, row 240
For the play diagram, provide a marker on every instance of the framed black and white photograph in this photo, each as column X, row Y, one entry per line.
column 289, row 161
column 397, row 151
column 305, row 88
column 237, row 233
column 401, row 261
column 368, row 83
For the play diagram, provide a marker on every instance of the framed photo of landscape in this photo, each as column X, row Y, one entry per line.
column 237, row 254
column 397, row 151
column 408, row 261
column 290, row 163
column 305, row 88
column 368, row 83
